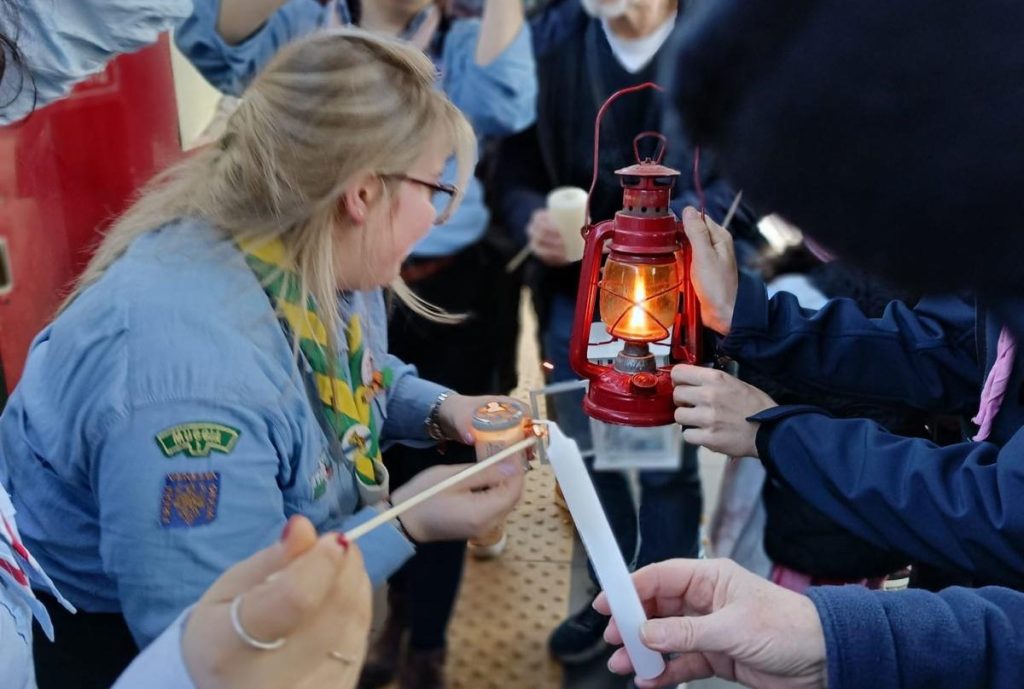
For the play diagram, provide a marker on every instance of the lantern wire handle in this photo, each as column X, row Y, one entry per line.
column 698, row 187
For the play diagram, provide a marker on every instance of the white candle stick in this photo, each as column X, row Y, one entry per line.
column 596, row 534
column 396, row 511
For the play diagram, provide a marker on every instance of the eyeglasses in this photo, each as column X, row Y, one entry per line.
column 442, row 196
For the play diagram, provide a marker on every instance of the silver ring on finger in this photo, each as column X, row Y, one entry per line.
column 248, row 639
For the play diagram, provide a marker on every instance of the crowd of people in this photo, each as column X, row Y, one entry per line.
column 271, row 344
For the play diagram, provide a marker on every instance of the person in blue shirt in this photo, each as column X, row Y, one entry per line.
column 222, row 363
column 45, row 52
column 487, row 69
column 329, row 621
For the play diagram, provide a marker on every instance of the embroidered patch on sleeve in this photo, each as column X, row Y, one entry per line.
column 197, row 439
column 189, row 499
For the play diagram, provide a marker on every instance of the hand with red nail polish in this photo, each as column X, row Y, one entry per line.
column 312, row 592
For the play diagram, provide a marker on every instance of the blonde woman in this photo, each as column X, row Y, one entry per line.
column 222, row 363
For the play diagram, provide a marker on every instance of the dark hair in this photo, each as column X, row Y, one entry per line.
column 10, row 55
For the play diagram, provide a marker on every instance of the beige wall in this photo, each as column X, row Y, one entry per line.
column 197, row 100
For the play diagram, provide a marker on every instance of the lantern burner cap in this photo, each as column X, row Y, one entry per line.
column 635, row 357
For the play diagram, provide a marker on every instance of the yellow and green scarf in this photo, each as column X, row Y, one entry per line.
column 347, row 407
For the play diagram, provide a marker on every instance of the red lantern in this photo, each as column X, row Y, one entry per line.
column 645, row 293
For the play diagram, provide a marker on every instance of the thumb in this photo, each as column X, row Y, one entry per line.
column 685, row 634
column 298, row 536
column 699, row 234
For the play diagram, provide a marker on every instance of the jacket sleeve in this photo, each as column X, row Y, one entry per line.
column 921, row 640
column 188, row 488
column 499, row 98
column 955, row 507
column 923, row 357
column 409, row 402
column 65, row 42
column 522, row 182
column 230, row 67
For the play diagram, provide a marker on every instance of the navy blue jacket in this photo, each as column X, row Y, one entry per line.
column 919, row 640
column 960, row 507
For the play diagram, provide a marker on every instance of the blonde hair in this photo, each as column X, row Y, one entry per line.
column 327, row 109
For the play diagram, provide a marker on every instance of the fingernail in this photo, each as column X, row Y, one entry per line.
column 343, row 541
column 651, row 633
column 287, row 529
column 470, row 440
column 509, row 469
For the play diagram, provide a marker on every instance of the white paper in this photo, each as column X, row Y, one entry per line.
column 596, row 534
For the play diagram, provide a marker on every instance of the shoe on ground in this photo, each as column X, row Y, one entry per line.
column 580, row 638
column 384, row 656
column 423, row 670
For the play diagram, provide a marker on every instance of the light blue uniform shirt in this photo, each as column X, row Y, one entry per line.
column 64, row 42
column 18, row 572
column 129, row 513
column 498, row 98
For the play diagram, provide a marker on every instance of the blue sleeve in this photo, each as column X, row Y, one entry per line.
column 924, row 357
column 189, row 515
column 409, row 402
column 921, row 640
column 65, row 42
column 161, row 665
column 230, row 67
column 952, row 507
column 498, row 98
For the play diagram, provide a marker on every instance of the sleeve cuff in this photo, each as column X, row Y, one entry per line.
column 408, row 407
column 161, row 664
column 768, row 421
column 384, row 549
column 749, row 315
column 857, row 636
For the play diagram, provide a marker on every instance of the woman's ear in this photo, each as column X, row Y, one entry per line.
column 361, row 197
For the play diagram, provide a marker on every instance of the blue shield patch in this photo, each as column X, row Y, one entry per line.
column 189, row 499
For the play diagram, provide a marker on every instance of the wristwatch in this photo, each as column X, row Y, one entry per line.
column 433, row 420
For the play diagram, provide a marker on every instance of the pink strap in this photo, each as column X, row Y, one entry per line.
column 994, row 391
column 820, row 252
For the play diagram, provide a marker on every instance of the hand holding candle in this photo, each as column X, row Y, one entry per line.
column 596, row 534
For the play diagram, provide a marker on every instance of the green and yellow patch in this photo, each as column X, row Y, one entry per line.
column 197, row 439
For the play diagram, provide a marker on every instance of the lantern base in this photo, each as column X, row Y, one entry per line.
column 631, row 399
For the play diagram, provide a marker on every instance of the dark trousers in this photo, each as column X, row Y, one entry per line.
column 90, row 649
column 471, row 358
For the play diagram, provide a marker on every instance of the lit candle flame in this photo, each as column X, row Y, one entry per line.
column 637, row 316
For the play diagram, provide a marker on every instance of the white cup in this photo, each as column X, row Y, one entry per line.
column 568, row 208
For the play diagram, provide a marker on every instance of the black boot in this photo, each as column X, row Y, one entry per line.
column 423, row 670
column 385, row 654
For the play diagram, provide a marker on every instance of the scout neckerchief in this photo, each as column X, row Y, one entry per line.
column 345, row 390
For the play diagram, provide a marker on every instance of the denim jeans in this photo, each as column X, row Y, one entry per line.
column 667, row 523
